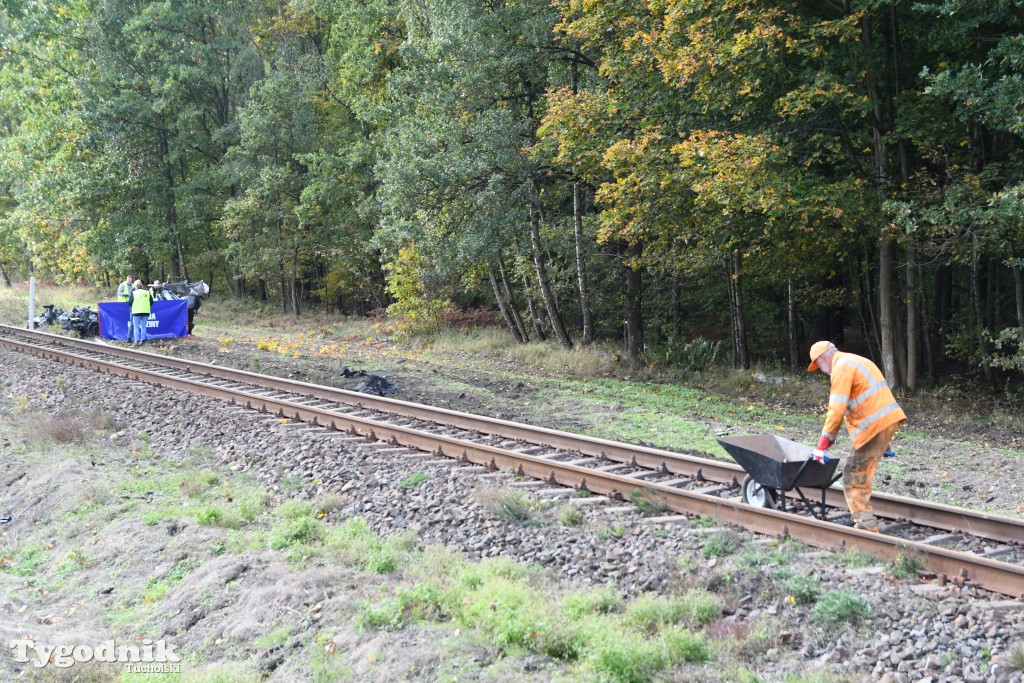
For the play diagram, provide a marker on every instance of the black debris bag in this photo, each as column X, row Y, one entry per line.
column 375, row 384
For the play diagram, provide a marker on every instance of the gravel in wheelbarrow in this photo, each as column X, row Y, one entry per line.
column 775, row 466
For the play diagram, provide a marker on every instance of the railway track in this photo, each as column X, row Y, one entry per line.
column 958, row 545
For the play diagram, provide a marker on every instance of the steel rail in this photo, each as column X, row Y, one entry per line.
column 990, row 574
column 887, row 506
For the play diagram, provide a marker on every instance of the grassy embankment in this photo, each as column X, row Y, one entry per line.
column 119, row 542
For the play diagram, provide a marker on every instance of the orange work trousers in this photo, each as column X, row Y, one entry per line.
column 859, row 474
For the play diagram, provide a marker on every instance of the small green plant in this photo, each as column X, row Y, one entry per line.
column 840, row 606
column 704, row 522
column 256, row 364
column 26, row 561
column 855, row 559
column 408, row 604
column 604, row 600
column 721, row 545
column 413, row 479
column 648, row 613
column 694, row 356
column 274, row 639
column 297, row 530
column 647, row 501
column 216, row 516
column 569, row 515
column 802, row 589
column 617, row 530
column 1014, row 659
column 907, row 566
column 512, row 506
column 75, row 560
column 144, row 436
column 61, row 383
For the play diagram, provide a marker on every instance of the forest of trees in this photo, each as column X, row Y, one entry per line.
column 629, row 170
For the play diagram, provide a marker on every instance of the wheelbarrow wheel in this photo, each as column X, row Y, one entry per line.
column 755, row 494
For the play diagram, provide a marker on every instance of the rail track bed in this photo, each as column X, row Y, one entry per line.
column 954, row 545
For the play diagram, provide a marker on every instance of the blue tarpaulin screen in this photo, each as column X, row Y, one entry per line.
column 166, row 319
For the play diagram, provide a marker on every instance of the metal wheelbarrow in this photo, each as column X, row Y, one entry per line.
column 776, row 466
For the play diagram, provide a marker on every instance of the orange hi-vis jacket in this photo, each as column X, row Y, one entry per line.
column 861, row 395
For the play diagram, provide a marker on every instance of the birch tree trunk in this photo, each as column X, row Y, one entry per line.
column 581, row 265
column 741, row 358
column 512, row 302
column 554, row 316
column 634, row 304
column 577, row 222
column 503, row 304
column 913, row 331
column 979, row 320
column 794, row 342
column 1018, row 286
column 538, row 325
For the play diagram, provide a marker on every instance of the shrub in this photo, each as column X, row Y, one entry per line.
column 413, row 479
column 66, row 427
column 602, row 601
column 647, row 502
column 215, row 516
column 409, row 604
column 570, row 515
column 513, row 613
column 838, row 606
column 721, row 545
column 803, row 588
column 907, row 566
column 293, row 531
column 694, row 356
column 511, row 506
column 649, row 613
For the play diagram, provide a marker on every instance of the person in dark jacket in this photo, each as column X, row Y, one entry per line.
column 194, row 302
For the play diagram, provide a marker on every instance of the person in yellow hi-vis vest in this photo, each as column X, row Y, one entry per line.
column 140, row 302
column 860, row 396
column 124, row 292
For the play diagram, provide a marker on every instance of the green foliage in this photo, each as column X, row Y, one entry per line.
column 419, row 310
column 836, row 607
column 25, row 561
column 296, row 530
column 695, row 355
column 907, row 565
column 413, row 479
column 604, row 600
column 647, row 501
column 649, row 613
column 408, row 604
column 217, row 516
column 570, row 515
column 720, row 545
column 802, row 588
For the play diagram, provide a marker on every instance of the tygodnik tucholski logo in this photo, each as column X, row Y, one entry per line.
column 147, row 656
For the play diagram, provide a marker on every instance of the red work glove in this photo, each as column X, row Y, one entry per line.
column 819, row 452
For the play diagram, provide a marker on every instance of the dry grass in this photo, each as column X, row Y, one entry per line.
column 65, row 427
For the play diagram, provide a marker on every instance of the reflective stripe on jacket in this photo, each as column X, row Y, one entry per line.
column 141, row 302
column 862, row 397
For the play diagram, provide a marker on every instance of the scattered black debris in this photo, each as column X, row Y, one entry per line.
column 80, row 319
column 50, row 316
column 375, row 384
column 353, row 373
column 6, row 519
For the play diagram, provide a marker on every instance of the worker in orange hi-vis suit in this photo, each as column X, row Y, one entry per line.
column 862, row 397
